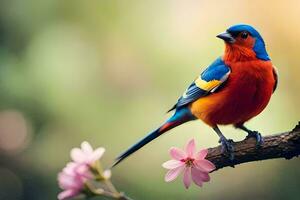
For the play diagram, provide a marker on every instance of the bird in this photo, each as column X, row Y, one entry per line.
column 236, row 87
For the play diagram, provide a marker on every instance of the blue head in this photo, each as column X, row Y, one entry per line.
column 246, row 36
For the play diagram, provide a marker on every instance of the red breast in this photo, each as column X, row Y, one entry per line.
column 244, row 95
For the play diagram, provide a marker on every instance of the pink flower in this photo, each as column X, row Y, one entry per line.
column 72, row 178
column 193, row 165
column 86, row 154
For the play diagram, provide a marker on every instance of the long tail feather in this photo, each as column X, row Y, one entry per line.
column 180, row 117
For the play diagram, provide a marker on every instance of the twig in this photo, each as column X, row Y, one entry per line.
column 124, row 197
column 284, row 145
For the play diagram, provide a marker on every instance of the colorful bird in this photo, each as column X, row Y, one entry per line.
column 233, row 89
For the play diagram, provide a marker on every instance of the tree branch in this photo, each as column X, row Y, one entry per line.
column 285, row 145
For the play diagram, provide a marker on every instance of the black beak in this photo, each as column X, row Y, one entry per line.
column 227, row 37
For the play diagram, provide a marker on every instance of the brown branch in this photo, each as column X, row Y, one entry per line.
column 284, row 145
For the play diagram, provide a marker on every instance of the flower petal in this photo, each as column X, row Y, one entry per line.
column 69, row 182
column 177, row 153
column 201, row 154
column 172, row 174
column 187, row 177
column 83, row 171
column 172, row 164
column 70, row 168
column 67, row 194
column 205, row 165
column 86, row 147
column 97, row 154
column 205, row 177
column 64, row 181
column 199, row 177
column 77, row 155
column 107, row 174
column 190, row 148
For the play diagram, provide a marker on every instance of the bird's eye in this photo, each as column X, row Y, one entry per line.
column 244, row 35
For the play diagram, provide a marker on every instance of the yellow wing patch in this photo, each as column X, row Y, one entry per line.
column 207, row 85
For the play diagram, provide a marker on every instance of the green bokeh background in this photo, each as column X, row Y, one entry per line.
column 106, row 72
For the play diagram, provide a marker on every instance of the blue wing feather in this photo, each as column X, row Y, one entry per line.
column 216, row 71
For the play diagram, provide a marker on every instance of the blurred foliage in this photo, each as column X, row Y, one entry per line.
column 106, row 72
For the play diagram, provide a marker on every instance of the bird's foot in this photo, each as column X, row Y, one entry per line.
column 257, row 136
column 227, row 147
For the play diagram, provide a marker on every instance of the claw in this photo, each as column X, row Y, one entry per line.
column 227, row 147
column 257, row 136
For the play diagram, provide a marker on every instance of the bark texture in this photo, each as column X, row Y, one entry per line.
column 285, row 145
